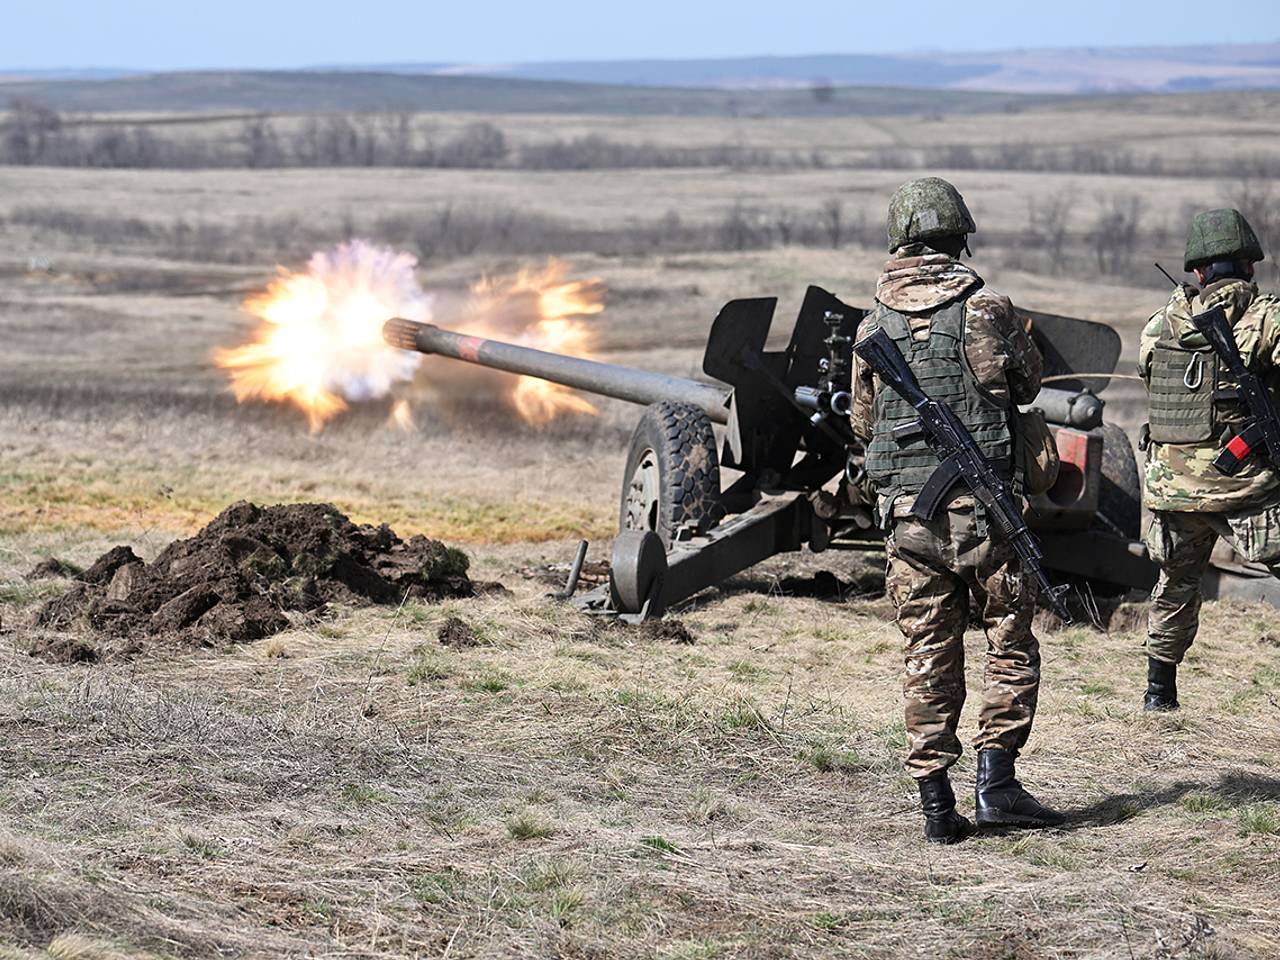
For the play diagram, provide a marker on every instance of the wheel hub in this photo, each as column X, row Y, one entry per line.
column 643, row 494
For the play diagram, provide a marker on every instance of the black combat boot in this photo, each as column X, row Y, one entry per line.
column 941, row 822
column 1162, row 686
column 1000, row 800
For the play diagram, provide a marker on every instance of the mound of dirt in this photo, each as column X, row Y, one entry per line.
column 615, row 632
column 237, row 578
column 456, row 632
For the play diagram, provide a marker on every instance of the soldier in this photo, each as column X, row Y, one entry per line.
column 969, row 349
column 1194, row 412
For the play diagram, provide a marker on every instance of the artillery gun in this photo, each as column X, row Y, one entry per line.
column 776, row 421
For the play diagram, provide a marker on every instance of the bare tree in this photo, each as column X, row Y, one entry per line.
column 398, row 130
column 1257, row 198
column 1049, row 218
column 28, row 131
column 784, row 222
column 478, row 145
column 1116, row 231
column 262, row 147
column 832, row 218
column 862, row 231
column 736, row 229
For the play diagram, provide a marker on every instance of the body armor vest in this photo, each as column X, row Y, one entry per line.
column 1193, row 398
column 900, row 466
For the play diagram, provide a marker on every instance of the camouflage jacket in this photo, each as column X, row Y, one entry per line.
column 1180, row 477
column 998, row 345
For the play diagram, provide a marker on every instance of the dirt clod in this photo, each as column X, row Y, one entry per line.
column 51, row 568
column 617, row 633
column 666, row 631
column 236, row 579
column 105, row 567
column 63, row 648
column 456, row 632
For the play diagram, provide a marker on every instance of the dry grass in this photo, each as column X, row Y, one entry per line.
column 550, row 795
column 553, row 791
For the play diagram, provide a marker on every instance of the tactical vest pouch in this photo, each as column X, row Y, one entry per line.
column 1182, row 392
column 1039, row 452
column 899, row 461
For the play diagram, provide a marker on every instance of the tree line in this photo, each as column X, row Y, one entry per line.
column 34, row 134
column 1119, row 236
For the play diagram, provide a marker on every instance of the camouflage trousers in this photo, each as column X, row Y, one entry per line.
column 1180, row 544
column 937, row 568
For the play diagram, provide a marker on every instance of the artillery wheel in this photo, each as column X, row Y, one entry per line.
column 1120, row 496
column 672, row 479
column 1119, row 499
column 637, row 569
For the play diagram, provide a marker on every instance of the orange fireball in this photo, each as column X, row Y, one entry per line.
column 550, row 320
column 319, row 344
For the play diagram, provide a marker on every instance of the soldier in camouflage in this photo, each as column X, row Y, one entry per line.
column 1194, row 412
column 969, row 349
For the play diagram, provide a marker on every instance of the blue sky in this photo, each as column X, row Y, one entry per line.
column 182, row 34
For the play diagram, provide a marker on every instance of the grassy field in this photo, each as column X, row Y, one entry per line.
column 353, row 788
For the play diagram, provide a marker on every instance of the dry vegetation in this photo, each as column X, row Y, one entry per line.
column 1079, row 190
column 354, row 788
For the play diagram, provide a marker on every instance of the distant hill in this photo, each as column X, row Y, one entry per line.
column 64, row 73
column 1069, row 71
column 818, row 85
column 690, row 86
column 304, row 91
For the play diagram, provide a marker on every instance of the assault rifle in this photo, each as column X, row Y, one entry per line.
column 961, row 461
column 1264, row 431
column 1262, row 435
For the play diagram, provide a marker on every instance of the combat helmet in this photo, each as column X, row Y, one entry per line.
column 1220, row 235
column 927, row 208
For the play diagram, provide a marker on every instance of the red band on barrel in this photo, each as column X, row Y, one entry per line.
column 469, row 348
column 1239, row 449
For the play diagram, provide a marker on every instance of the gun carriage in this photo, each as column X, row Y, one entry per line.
column 760, row 459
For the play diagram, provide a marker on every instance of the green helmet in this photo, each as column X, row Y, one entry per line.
column 927, row 208
column 1220, row 235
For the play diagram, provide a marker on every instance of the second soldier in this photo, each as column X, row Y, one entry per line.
column 969, row 350
column 1195, row 411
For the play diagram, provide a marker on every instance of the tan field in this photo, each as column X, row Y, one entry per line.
column 353, row 788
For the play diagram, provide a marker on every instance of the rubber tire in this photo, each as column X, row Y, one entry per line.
column 1120, row 496
column 688, row 468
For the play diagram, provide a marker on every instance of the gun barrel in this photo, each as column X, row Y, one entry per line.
column 605, row 379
